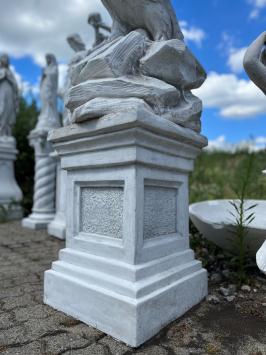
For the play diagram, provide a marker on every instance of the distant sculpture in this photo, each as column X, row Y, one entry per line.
column 261, row 258
column 43, row 210
column 75, row 42
column 9, row 97
column 127, row 70
column 157, row 17
column 49, row 117
column 10, row 193
column 255, row 62
column 255, row 66
column 95, row 20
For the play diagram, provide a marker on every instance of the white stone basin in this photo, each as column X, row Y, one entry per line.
column 261, row 258
column 214, row 221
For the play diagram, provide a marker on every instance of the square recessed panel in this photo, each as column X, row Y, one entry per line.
column 160, row 211
column 102, row 211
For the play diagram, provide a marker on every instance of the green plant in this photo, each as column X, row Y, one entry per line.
column 24, row 167
column 3, row 214
column 243, row 216
column 5, row 211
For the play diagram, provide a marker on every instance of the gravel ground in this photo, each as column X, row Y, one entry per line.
column 229, row 322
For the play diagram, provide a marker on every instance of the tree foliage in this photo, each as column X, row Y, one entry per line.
column 24, row 166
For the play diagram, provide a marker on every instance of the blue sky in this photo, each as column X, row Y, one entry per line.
column 229, row 26
column 217, row 31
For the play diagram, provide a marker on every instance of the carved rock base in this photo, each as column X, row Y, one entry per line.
column 127, row 269
column 10, row 193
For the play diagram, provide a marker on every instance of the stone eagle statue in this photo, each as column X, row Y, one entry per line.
column 157, row 17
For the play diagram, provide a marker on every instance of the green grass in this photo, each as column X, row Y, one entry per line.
column 217, row 175
column 235, row 177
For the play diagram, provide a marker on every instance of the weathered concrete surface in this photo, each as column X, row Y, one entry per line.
column 28, row 327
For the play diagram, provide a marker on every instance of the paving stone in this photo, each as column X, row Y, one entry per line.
column 15, row 335
column 153, row 350
column 95, row 349
column 89, row 333
column 16, row 302
column 34, row 348
column 46, row 327
column 63, row 342
column 11, row 292
column 34, row 312
column 116, row 348
column 6, row 321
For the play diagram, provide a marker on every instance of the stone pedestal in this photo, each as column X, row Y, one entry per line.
column 127, row 268
column 57, row 228
column 10, row 193
column 43, row 211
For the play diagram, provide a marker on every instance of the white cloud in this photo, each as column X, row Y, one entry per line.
column 258, row 5
column 192, row 33
column 234, row 98
column 235, row 60
column 62, row 69
column 25, row 87
column 221, row 144
column 40, row 27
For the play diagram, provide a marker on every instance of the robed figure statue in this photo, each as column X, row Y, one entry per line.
column 49, row 117
column 9, row 97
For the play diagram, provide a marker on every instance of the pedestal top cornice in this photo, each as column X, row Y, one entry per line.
column 124, row 121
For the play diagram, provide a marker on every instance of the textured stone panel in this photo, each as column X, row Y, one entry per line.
column 160, row 211
column 102, row 211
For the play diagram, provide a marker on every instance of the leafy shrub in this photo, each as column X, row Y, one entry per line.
column 24, row 166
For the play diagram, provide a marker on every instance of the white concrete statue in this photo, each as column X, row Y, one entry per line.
column 49, row 117
column 57, row 227
column 261, row 258
column 10, row 193
column 75, row 42
column 9, row 97
column 43, row 211
column 255, row 62
column 128, row 268
column 145, row 41
column 95, row 20
column 255, row 66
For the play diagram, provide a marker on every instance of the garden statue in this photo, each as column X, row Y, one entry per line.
column 261, row 258
column 57, row 227
column 255, row 66
column 255, row 62
column 9, row 97
column 134, row 137
column 95, row 20
column 45, row 165
column 75, row 42
column 49, row 117
column 10, row 193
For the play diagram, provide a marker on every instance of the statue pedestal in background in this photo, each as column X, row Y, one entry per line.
column 57, row 227
column 127, row 268
column 10, row 193
column 43, row 211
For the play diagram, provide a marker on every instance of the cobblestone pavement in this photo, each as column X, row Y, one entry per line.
column 29, row 327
